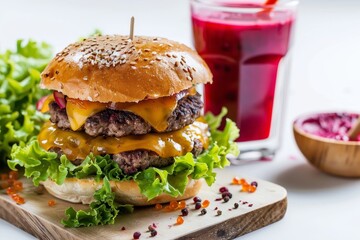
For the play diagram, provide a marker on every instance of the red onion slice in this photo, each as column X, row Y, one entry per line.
column 60, row 99
column 40, row 103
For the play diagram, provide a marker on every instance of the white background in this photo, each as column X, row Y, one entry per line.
column 325, row 76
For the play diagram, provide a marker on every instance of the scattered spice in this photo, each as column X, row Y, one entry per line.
column 14, row 175
column 179, row 220
column 223, row 189
column 174, row 204
column 153, row 233
column 218, row 199
column 226, row 194
column 196, row 199
column 203, row 211
column 158, row 206
column 182, row 204
column 197, row 205
column 236, row 205
column 218, row 213
column 205, row 203
column 226, row 198
column 254, row 183
column 216, row 208
column 250, row 205
column 18, row 186
column 244, row 203
column 123, row 228
column 136, row 235
column 184, row 212
column 51, row 203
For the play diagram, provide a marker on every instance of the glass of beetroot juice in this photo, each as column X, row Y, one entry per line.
column 247, row 47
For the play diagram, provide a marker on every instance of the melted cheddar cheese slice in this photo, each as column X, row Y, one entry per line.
column 154, row 111
column 77, row 145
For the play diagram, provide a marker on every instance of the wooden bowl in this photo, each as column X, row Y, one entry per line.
column 335, row 157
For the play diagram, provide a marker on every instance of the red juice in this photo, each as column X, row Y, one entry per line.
column 243, row 51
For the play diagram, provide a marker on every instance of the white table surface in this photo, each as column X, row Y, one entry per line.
column 325, row 77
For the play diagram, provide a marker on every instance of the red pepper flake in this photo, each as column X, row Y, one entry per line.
column 18, row 186
column 244, row 203
column 250, row 205
column 14, row 175
column 51, row 203
column 205, row 203
column 218, row 199
column 158, row 206
column 154, row 225
column 10, row 191
column 235, row 181
column 173, row 205
column 123, row 228
column 229, row 209
column 215, row 208
column 182, row 204
column 179, row 220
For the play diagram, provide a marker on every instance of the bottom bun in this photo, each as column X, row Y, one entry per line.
column 128, row 192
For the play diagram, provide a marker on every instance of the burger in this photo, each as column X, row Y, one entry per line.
column 126, row 110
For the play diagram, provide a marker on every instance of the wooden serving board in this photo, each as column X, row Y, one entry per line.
column 268, row 205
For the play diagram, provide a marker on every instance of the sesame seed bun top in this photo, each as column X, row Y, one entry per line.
column 117, row 69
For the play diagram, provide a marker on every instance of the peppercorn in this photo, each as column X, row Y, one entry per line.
column 184, row 212
column 223, row 189
column 254, row 183
column 224, row 194
column 219, row 212
column 236, row 205
column 226, row 198
column 196, row 199
column 197, row 205
column 151, row 228
column 203, row 211
column 136, row 235
column 153, row 233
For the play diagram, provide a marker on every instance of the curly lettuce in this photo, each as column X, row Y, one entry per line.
column 41, row 165
column 19, row 92
column 103, row 210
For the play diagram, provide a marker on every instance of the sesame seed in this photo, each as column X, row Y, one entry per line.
column 154, row 53
column 185, row 70
column 176, row 64
column 158, row 58
column 146, row 50
column 168, row 54
column 189, row 78
column 133, row 67
column 174, row 56
column 151, row 62
column 132, row 63
column 85, row 78
column 145, row 59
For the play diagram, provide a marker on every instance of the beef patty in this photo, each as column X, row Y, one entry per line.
column 119, row 123
column 133, row 161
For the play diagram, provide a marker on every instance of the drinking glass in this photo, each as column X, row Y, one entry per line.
column 247, row 46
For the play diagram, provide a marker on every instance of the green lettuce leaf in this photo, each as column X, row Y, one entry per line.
column 19, row 92
column 41, row 165
column 103, row 210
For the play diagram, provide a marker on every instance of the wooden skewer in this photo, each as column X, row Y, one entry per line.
column 132, row 28
column 354, row 131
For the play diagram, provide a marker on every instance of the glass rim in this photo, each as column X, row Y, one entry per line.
column 224, row 6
